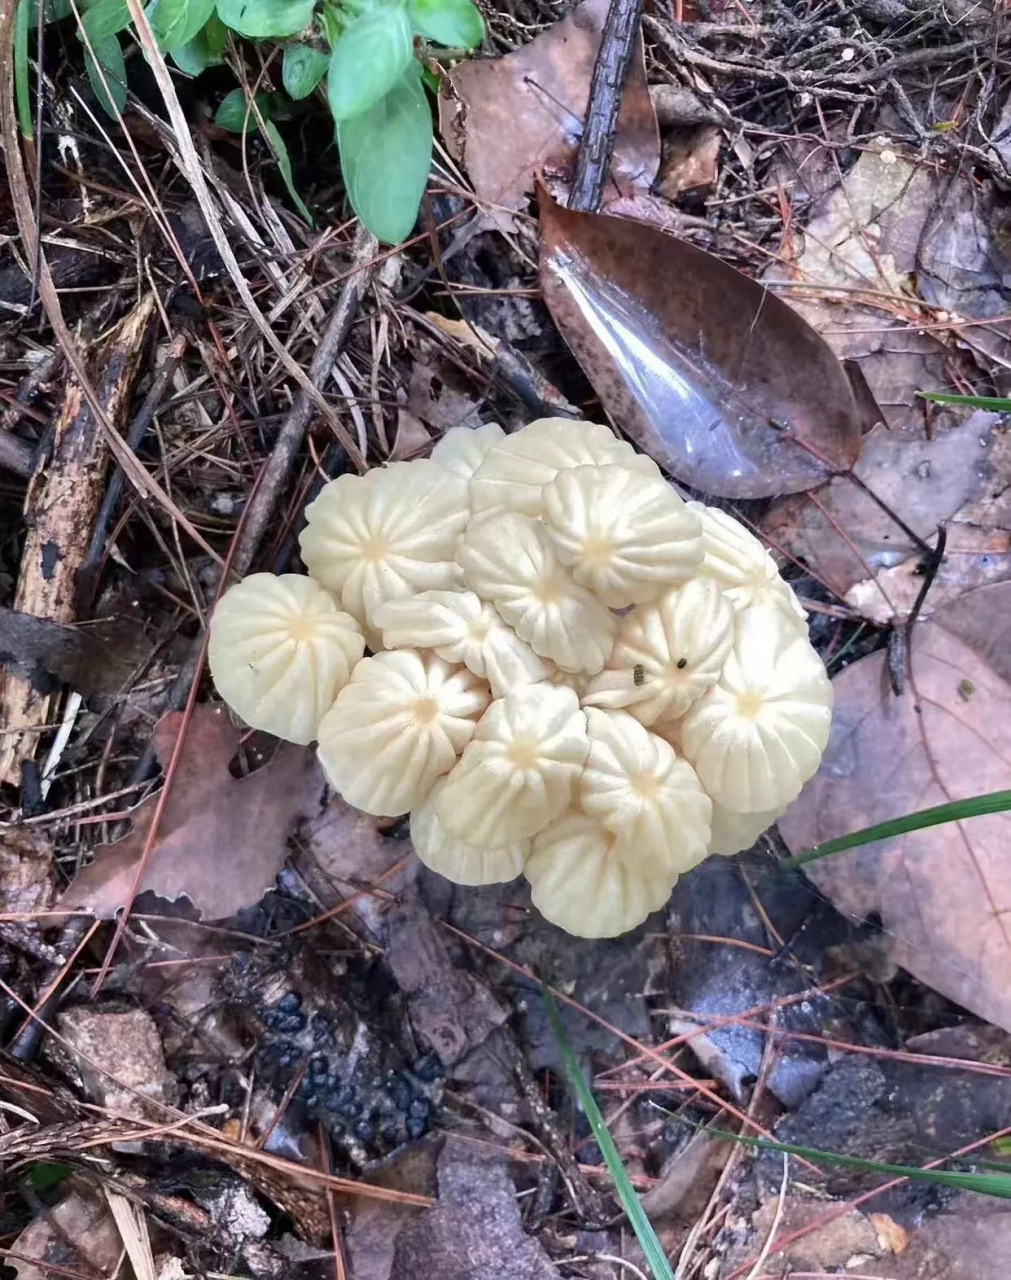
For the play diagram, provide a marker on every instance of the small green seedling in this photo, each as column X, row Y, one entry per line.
column 362, row 51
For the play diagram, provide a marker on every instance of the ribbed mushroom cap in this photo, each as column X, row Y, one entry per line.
column 666, row 654
column 459, row 860
column 625, row 536
column 580, row 882
column 280, row 651
column 461, row 627
column 635, row 786
column 758, row 735
column 508, row 560
column 462, row 449
column 519, row 771
column 735, row 832
column 391, row 532
column 399, row 724
column 514, row 472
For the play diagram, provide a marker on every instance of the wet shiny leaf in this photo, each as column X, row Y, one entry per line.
column 716, row 378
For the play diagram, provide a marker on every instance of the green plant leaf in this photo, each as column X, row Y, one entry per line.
column 260, row 18
column 368, row 60
column 44, row 1175
column 641, row 1225
column 280, row 150
column 455, row 23
column 176, row 22
column 997, row 403
column 204, row 50
column 957, row 811
column 986, row 1184
column 109, row 56
column 302, row 69
column 234, row 116
column 52, row 11
column 386, row 153
column 105, row 18
column 22, row 92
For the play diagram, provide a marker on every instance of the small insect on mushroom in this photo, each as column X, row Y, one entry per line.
column 639, row 674
column 682, row 663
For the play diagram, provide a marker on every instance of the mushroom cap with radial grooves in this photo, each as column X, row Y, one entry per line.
column 399, row 724
column 458, row 859
column 391, row 532
column 635, row 786
column 508, row 559
column 758, row 735
column 666, row 654
column 280, row 651
column 460, row 627
column 579, row 882
column 519, row 771
column 735, row 832
column 462, row 449
column 625, row 536
column 513, row 474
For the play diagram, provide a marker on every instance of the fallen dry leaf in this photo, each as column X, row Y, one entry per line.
column 510, row 116
column 711, row 374
column 79, row 1235
column 957, row 476
column 26, row 870
column 942, row 893
column 221, row 840
column 689, row 160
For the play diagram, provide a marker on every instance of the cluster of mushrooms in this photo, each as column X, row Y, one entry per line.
column 575, row 675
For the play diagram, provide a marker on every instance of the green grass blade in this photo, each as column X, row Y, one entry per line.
column 641, row 1225
column 986, row 1184
column 996, row 403
column 22, row 91
column 975, row 807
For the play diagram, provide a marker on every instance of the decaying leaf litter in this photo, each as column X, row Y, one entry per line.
column 859, row 170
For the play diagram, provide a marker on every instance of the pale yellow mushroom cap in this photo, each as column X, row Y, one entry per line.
column 635, row 786
column 508, row 559
column 581, row 883
column 735, row 832
column 461, row 627
column 280, row 651
column 666, row 654
column 515, row 471
column 625, row 536
column 519, row 770
column 460, row 860
column 758, row 735
column 463, row 449
column 400, row 723
column 389, row 533
column 742, row 566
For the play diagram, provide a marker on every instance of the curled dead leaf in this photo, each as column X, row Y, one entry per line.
column 943, row 893
column 718, row 379
column 221, row 840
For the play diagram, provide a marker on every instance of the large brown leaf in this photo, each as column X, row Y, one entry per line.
column 221, row 840
column 711, row 374
column 510, row 116
column 943, row 894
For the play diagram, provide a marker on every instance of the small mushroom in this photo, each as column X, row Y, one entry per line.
column 461, row 627
column 509, row 560
column 280, row 651
column 625, row 536
column 515, row 471
column 636, row 787
column 462, row 449
column 400, row 723
column 758, row 735
column 666, row 654
column 391, row 532
column 518, row 772
column 579, row 881
column 735, row 832
column 745, row 570
column 460, row 860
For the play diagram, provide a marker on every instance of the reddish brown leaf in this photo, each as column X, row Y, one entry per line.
column 510, row 116
column 221, row 840
column 943, row 893
column 712, row 375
